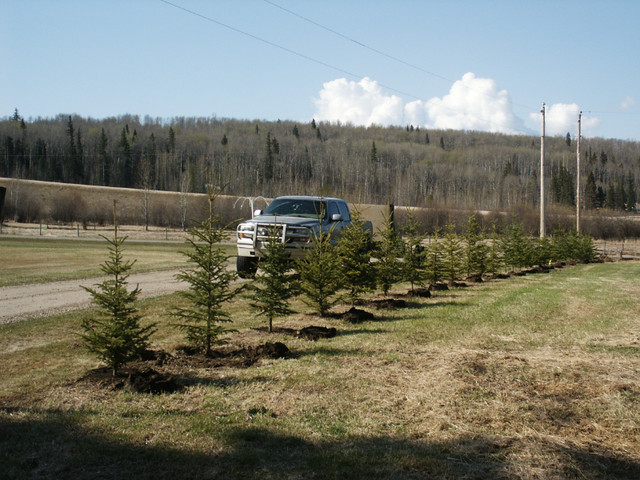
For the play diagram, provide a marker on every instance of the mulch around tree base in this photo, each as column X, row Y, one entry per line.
column 388, row 303
column 161, row 372
column 312, row 332
column 356, row 315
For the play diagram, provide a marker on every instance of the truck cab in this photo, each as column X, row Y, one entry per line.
column 294, row 220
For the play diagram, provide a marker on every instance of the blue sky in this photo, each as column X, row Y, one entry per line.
column 462, row 64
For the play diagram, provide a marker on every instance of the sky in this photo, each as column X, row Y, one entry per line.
column 458, row 64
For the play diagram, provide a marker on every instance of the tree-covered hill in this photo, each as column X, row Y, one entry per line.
column 401, row 165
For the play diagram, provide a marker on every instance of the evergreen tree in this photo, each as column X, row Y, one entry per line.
column 268, row 159
column 434, row 262
column 590, row 193
column 274, row 284
column 104, row 160
column 602, row 196
column 354, row 250
column 414, row 253
column 320, row 274
column 116, row 335
column 452, row 254
column 172, row 141
column 516, row 247
column 79, row 163
column 494, row 253
column 475, row 249
column 74, row 172
column 126, row 178
column 620, row 195
column 210, row 283
column 388, row 253
column 562, row 188
column 610, row 199
column 632, row 197
column 373, row 156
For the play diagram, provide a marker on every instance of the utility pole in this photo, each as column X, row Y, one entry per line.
column 578, row 176
column 542, row 232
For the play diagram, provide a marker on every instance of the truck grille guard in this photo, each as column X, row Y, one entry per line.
column 287, row 234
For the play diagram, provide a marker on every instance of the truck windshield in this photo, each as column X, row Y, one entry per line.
column 291, row 207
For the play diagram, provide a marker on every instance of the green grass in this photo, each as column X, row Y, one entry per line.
column 533, row 376
column 25, row 261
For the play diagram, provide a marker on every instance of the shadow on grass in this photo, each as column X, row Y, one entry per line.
column 57, row 445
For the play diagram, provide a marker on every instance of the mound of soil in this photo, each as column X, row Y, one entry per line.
column 314, row 333
column 388, row 303
column 148, row 380
column 229, row 356
column 271, row 350
column 311, row 332
column 136, row 377
column 419, row 292
column 160, row 372
column 355, row 315
column 498, row 276
column 475, row 279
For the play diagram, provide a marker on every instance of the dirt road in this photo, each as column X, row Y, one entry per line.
column 29, row 301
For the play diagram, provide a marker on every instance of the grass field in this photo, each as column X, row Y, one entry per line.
column 35, row 260
column 529, row 377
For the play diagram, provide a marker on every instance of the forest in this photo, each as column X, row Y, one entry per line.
column 408, row 165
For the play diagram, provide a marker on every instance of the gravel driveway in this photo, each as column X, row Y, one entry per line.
column 29, row 301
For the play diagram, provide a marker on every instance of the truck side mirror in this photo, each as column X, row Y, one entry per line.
column 336, row 217
column 257, row 212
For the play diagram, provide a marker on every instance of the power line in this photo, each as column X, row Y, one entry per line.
column 285, row 49
column 379, row 52
column 338, row 69
column 363, row 45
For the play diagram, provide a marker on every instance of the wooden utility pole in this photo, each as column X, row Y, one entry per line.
column 542, row 232
column 578, row 189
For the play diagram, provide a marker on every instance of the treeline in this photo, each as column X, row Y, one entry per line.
column 405, row 166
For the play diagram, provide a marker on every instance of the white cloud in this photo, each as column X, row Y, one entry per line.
column 627, row 103
column 474, row 104
column 471, row 104
column 361, row 103
column 561, row 118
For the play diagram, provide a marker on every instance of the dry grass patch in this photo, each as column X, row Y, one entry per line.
column 501, row 380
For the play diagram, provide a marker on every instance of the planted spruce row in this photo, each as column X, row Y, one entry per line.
column 348, row 269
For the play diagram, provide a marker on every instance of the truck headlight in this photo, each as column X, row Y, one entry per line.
column 245, row 230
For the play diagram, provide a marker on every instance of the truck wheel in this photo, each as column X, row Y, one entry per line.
column 246, row 266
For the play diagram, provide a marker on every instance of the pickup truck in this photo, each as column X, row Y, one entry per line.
column 295, row 220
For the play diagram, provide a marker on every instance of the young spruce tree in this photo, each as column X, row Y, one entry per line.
column 354, row 250
column 452, row 254
column 209, row 280
column 414, row 254
column 275, row 284
column 434, row 259
column 388, row 253
column 475, row 249
column 116, row 335
column 320, row 274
